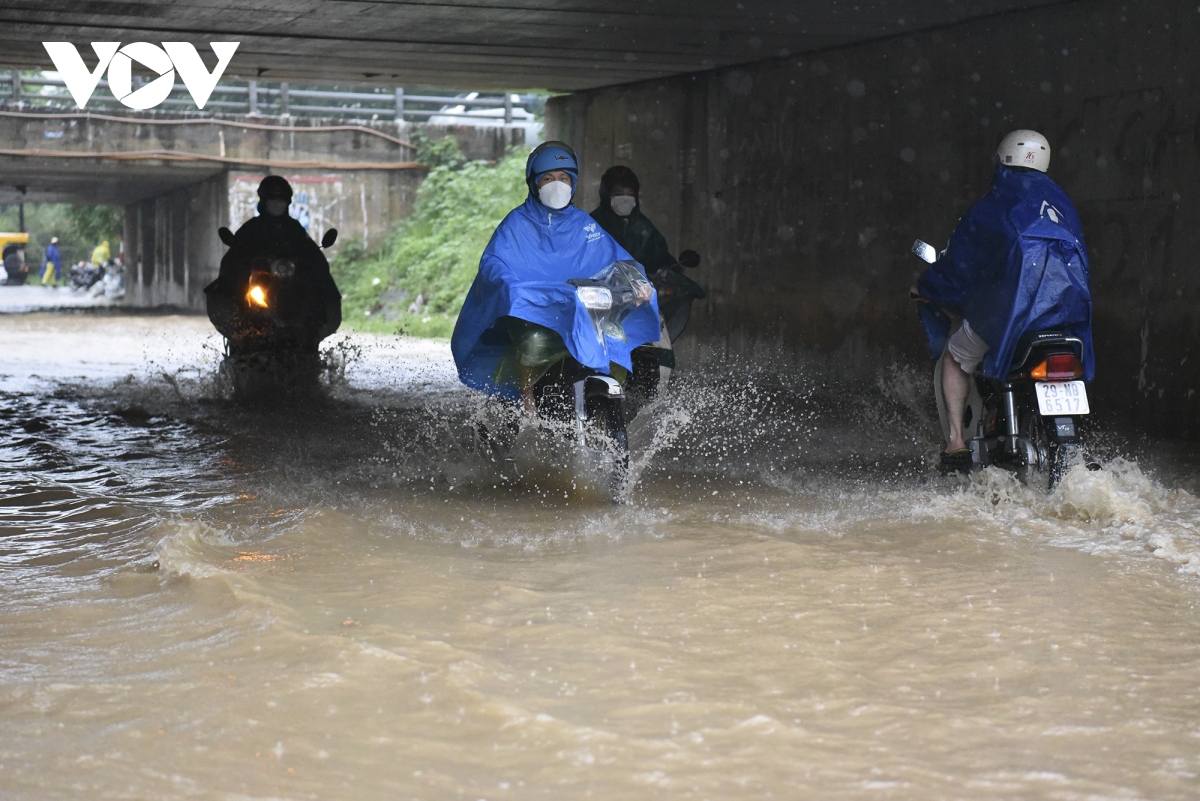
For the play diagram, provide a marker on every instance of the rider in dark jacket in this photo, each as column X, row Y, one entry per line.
column 310, row 302
column 620, row 214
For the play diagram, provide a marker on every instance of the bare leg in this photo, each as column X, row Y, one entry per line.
column 525, row 376
column 955, row 386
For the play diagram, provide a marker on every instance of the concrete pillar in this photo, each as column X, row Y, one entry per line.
column 187, row 261
column 141, row 275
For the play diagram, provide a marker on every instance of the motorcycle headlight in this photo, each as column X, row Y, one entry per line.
column 257, row 296
column 595, row 297
column 284, row 268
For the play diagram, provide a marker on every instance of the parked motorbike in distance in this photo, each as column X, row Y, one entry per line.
column 653, row 364
column 273, row 319
column 85, row 276
column 1029, row 422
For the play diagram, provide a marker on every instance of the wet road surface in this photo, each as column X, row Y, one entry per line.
column 341, row 599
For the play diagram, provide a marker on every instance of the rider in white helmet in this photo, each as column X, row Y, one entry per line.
column 974, row 278
column 1026, row 149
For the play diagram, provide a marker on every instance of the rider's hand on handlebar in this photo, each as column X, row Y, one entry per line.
column 642, row 291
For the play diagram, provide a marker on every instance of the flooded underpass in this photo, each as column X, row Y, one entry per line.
column 340, row 598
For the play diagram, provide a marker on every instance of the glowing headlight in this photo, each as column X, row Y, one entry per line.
column 257, row 296
column 594, row 297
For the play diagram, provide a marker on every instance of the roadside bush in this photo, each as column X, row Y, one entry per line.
column 416, row 281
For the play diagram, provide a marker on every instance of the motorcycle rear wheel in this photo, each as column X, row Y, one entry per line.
column 1048, row 460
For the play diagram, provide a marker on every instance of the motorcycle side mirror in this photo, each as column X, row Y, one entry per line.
column 925, row 251
column 690, row 259
column 329, row 238
column 226, row 235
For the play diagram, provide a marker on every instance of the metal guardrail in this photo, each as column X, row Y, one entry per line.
column 279, row 99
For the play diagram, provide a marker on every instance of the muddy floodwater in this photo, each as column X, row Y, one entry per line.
column 340, row 598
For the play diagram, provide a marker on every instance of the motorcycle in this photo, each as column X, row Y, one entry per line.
column 654, row 363
column 272, row 323
column 85, row 276
column 589, row 403
column 1027, row 423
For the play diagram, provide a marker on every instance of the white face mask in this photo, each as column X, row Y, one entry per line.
column 555, row 195
column 623, row 205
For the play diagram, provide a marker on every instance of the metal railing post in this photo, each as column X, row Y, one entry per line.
column 16, row 86
column 508, row 108
column 283, row 99
column 254, row 97
column 399, row 104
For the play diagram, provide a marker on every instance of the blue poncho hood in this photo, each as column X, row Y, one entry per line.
column 523, row 273
column 1016, row 263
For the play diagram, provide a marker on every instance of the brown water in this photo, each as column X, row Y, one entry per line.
column 339, row 599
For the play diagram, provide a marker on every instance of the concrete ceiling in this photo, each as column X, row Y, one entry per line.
column 554, row 44
column 51, row 180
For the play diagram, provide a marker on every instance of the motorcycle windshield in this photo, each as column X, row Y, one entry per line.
column 675, row 295
column 608, row 297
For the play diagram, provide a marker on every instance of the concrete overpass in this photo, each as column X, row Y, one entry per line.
column 179, row 179
column 802, row 145
column 564, row 45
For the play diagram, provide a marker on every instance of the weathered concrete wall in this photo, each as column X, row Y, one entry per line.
column 171, row 246
column 86, row 158
column 804, row 180
column 171, row 242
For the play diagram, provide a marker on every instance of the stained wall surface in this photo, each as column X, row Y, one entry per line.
column 804, row 180
column 172, row 250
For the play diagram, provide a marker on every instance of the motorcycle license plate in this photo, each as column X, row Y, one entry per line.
column 1061, row 397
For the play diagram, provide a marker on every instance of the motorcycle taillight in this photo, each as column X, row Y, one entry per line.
column 1058, row 367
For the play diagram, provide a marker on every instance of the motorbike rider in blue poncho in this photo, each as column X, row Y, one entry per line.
column 520, row 315
column 1016, row 263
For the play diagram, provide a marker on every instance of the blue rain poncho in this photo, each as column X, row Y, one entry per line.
column 1016, row 263
column 523, row 273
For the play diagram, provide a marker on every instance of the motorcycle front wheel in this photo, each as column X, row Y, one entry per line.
column 606, row 438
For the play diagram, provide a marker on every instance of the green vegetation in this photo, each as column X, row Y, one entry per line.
column 78, row 228
column 416, row 281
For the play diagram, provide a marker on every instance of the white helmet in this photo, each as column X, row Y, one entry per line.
column 1024, row 148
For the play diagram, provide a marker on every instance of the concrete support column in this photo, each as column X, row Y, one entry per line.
column 173, row 251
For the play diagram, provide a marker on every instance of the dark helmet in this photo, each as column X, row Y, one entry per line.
column 549, row 156
column 275, row 187
column 620, row 175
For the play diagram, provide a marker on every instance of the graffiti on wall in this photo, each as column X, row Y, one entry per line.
column 316, row 201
